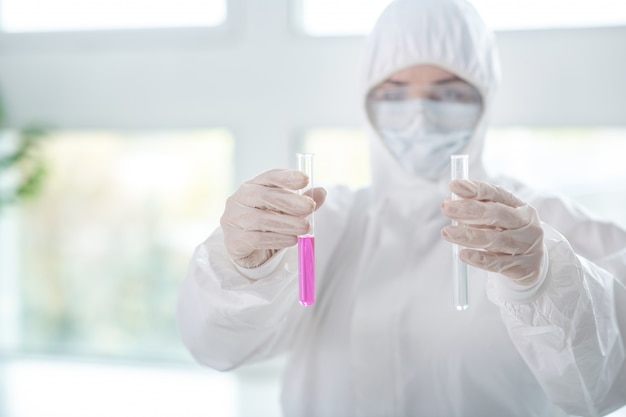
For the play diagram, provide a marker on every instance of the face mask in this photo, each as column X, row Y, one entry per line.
column 422, row 134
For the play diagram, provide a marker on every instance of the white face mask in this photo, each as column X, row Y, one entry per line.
column 422, row 134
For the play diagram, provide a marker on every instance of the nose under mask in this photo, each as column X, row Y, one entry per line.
column 422, row 134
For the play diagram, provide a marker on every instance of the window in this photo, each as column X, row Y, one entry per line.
column 341, row 156
column 589, row 163
column 354, row 17
column 549, row 14
column 339, row 18
column 66, row 15
column 101, row 250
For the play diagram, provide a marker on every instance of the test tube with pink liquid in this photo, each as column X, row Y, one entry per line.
column 306, row 242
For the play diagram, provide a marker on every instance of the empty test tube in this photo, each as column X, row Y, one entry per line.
column 459, row 170
column 306, row 243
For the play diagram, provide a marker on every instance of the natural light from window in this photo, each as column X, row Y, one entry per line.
column 525, row 153
column 357, row 17
column 341, row 155
column 72, row 15
column 101, row 250
column 589, row 171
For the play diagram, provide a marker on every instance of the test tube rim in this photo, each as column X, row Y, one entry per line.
column 459, row 165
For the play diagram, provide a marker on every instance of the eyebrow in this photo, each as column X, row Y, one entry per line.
column 449, row 80
column 439, row 82
column 395, row 83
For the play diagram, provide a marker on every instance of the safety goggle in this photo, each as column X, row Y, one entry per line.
column 448, row 105
column 432, row 115
column 448, row 91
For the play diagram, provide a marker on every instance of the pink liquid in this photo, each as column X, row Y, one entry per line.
column 306, row 269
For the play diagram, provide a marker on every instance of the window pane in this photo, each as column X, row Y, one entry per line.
column 584, row 163
column 64, row 15
column 339, row 17
column 341, row 156
column 105, row 244
column 354, row 17
column 536, row 14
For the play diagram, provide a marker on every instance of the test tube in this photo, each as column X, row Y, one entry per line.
column 459, row 170
column 306, row 242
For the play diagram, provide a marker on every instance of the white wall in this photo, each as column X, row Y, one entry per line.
column 267, row 82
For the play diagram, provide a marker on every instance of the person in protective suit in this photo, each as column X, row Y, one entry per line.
column 544, row 334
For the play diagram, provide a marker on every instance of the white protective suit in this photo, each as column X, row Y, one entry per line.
column 383, row 338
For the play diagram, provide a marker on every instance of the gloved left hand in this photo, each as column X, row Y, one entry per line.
column 506, row 229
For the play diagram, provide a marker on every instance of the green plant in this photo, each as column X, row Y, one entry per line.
column 22, row 169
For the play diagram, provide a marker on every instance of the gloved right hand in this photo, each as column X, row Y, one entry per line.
column 265, row 215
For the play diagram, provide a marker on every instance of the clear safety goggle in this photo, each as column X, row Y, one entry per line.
column 451, row 105
column 448, row 91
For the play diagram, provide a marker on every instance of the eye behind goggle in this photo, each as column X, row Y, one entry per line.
column 456, row 91
column 437, row 116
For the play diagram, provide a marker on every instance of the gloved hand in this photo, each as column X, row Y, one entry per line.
column 263, row 215
column 506, row 229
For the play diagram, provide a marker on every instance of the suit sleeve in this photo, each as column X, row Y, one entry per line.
column 570, row 330
column 228, row 316
column 225, row 317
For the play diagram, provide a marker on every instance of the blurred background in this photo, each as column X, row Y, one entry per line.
column 124, row 126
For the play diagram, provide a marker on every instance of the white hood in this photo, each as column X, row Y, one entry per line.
column 446, row 33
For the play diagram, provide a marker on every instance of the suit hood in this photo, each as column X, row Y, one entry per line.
column 446, row 33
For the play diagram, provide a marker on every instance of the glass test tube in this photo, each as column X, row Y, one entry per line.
column 459, row 170
column 306, row 243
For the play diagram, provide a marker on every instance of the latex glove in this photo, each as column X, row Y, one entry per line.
column 265, row 215
column 505, row 229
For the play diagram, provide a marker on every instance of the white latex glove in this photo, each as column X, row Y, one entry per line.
column 265, row 215
column 506, row 229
